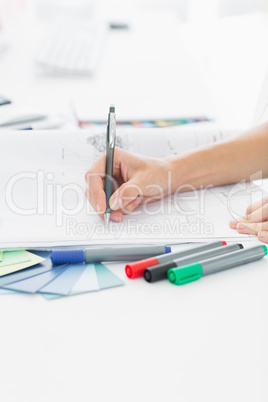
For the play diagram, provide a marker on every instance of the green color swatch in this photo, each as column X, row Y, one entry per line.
column 14, row 257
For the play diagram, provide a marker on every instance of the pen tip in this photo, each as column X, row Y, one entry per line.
column 107, row 219
column 112, row 109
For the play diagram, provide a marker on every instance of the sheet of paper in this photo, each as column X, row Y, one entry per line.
column 64, row 283
column 14, row 257
column 1, row 255
column 35, row 283
column 46, row 206
column 33, row 260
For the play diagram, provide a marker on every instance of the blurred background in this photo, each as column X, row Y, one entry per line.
column 156, row 59
column 186, row 10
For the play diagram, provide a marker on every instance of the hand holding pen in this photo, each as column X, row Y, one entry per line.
column 132, row 176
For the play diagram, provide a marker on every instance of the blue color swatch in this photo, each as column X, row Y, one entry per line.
column 57, row 281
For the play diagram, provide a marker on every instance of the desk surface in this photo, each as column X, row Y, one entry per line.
column 206, row 341
column 203, row 341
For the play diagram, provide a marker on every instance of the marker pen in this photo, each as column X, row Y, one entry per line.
column 192, row 272
column 100, row 254
column 159, row 272
column 137, row 268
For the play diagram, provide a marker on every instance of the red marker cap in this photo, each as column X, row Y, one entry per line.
column 137, row 268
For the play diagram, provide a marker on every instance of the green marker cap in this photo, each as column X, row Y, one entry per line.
column 185, row 274
column 265, row 249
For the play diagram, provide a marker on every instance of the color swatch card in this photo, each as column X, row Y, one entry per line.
column 14, row 257
column 106, row 278
column 35, row 283
column 53, row 281
column 88, row 281
column 44, row 266
column 63, row 284
column 14, row 261
column 6, row 292
column 81, row 278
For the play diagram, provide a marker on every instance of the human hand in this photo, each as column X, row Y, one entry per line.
column 136, row 180
column 255, row 221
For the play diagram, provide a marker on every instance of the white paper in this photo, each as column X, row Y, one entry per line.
column 43, row 202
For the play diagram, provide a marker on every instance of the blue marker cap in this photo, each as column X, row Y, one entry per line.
column 67, row 256
column 167, row 249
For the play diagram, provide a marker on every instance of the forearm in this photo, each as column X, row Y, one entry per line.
column 226, row 162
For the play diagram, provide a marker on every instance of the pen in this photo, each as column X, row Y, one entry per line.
column 192, row 272
column 100, row 254
column 160, row 271
column 110, row 144
column 136, row 269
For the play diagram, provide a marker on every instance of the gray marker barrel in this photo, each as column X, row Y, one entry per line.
column 192, row 272
column 159, row 272
column 101, row 254
column 136, row 269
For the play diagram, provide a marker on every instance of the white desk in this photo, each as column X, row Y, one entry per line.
column 206, row 341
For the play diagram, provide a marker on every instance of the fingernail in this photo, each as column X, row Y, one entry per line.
column 116, row 203
column 137, row 201
column 116, row 218
column 241, row 226
column 98, row 208
column 233, row 222
column 262, row 235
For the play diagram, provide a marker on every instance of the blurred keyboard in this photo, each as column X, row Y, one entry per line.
column 72, row 47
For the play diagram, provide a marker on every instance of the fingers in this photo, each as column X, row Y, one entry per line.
column 255, row 222
column 97, row 199
column 132, row 205
column 95, row 179
column 233, row 224
column 136, row 186
column 95, row 193
column 252, row 228
column 258, row 215
column 256, row 205
column 95, row 186
column 263, row 236
column 255, row 213
column 126, row 194
column 116, row 216
column 137, row 178
column 257, row 228
column 260, row 229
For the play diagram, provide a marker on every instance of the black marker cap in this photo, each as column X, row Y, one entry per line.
column 159, row 272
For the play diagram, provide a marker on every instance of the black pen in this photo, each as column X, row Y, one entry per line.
column 110, row 144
